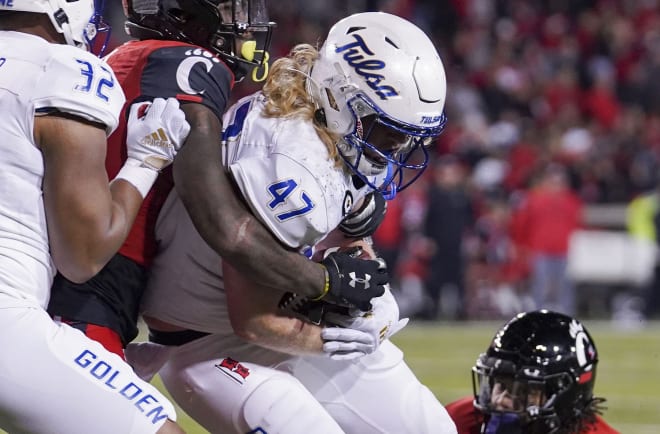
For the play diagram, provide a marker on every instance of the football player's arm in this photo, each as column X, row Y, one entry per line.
column 224, row 221
column 87, row 221
column 255, row 317
column 89, row 218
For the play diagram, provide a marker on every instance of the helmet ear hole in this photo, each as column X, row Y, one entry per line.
column 332, row 102
column 60, row 17
column 319, row 117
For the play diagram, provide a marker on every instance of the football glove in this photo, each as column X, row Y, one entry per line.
column 155, row 132
column 353, row 281
column 359, row 335
column 365, row 220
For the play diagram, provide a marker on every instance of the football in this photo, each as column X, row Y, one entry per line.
column 336, row 241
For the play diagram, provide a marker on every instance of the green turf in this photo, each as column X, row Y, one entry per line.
column 628, row 375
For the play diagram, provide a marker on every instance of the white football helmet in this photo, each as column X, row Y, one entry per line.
column 76, row 20
column 380, row 76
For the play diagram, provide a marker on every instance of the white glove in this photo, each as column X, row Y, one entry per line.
column 357, row 336
column 155, row 132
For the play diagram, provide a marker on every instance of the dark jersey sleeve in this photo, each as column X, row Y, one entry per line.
column 189, row 74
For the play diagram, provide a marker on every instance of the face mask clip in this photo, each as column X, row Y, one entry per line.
column 248, row 50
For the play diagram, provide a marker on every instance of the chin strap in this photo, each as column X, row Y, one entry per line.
column 503, row 423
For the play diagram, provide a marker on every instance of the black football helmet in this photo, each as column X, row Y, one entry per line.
column 538, row 375
column 239, row 31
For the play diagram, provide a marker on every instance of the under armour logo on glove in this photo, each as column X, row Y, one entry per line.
column 355, row 280
column 346, row 288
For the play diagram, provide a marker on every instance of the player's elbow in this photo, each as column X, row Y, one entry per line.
column 76, row 264
column 237, row 240
column 79, row 272
column 248, row 331
column 250, row 336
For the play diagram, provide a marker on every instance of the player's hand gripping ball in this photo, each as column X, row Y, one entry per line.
column 355, row 275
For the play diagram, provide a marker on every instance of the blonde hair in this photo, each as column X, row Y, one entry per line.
column 287, row 96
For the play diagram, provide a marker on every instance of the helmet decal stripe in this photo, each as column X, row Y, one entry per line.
column 585, row 377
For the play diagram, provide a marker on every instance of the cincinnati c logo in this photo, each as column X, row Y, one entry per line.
column 183, row 71
column 583, row 348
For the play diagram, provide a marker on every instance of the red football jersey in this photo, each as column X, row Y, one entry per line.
column 145, row 70
column 150, row 69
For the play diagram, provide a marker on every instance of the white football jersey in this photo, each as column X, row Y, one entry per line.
column 285, row 174
column 37, row 77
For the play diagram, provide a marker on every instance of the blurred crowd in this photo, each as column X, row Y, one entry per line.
column 552, row 106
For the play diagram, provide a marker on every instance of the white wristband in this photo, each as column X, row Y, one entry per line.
column 139, row 176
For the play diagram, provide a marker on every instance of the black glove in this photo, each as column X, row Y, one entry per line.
column 364, row 221
column 353, row 281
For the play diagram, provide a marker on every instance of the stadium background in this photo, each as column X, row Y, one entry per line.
column 531, row 84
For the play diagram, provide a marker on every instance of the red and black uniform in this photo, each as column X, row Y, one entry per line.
column 145, row 70
column 468, row 419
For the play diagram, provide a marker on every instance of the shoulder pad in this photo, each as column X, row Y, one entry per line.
column 80, row 83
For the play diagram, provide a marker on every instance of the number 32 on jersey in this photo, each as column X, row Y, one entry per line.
column 291, row 200
column 96, row 84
